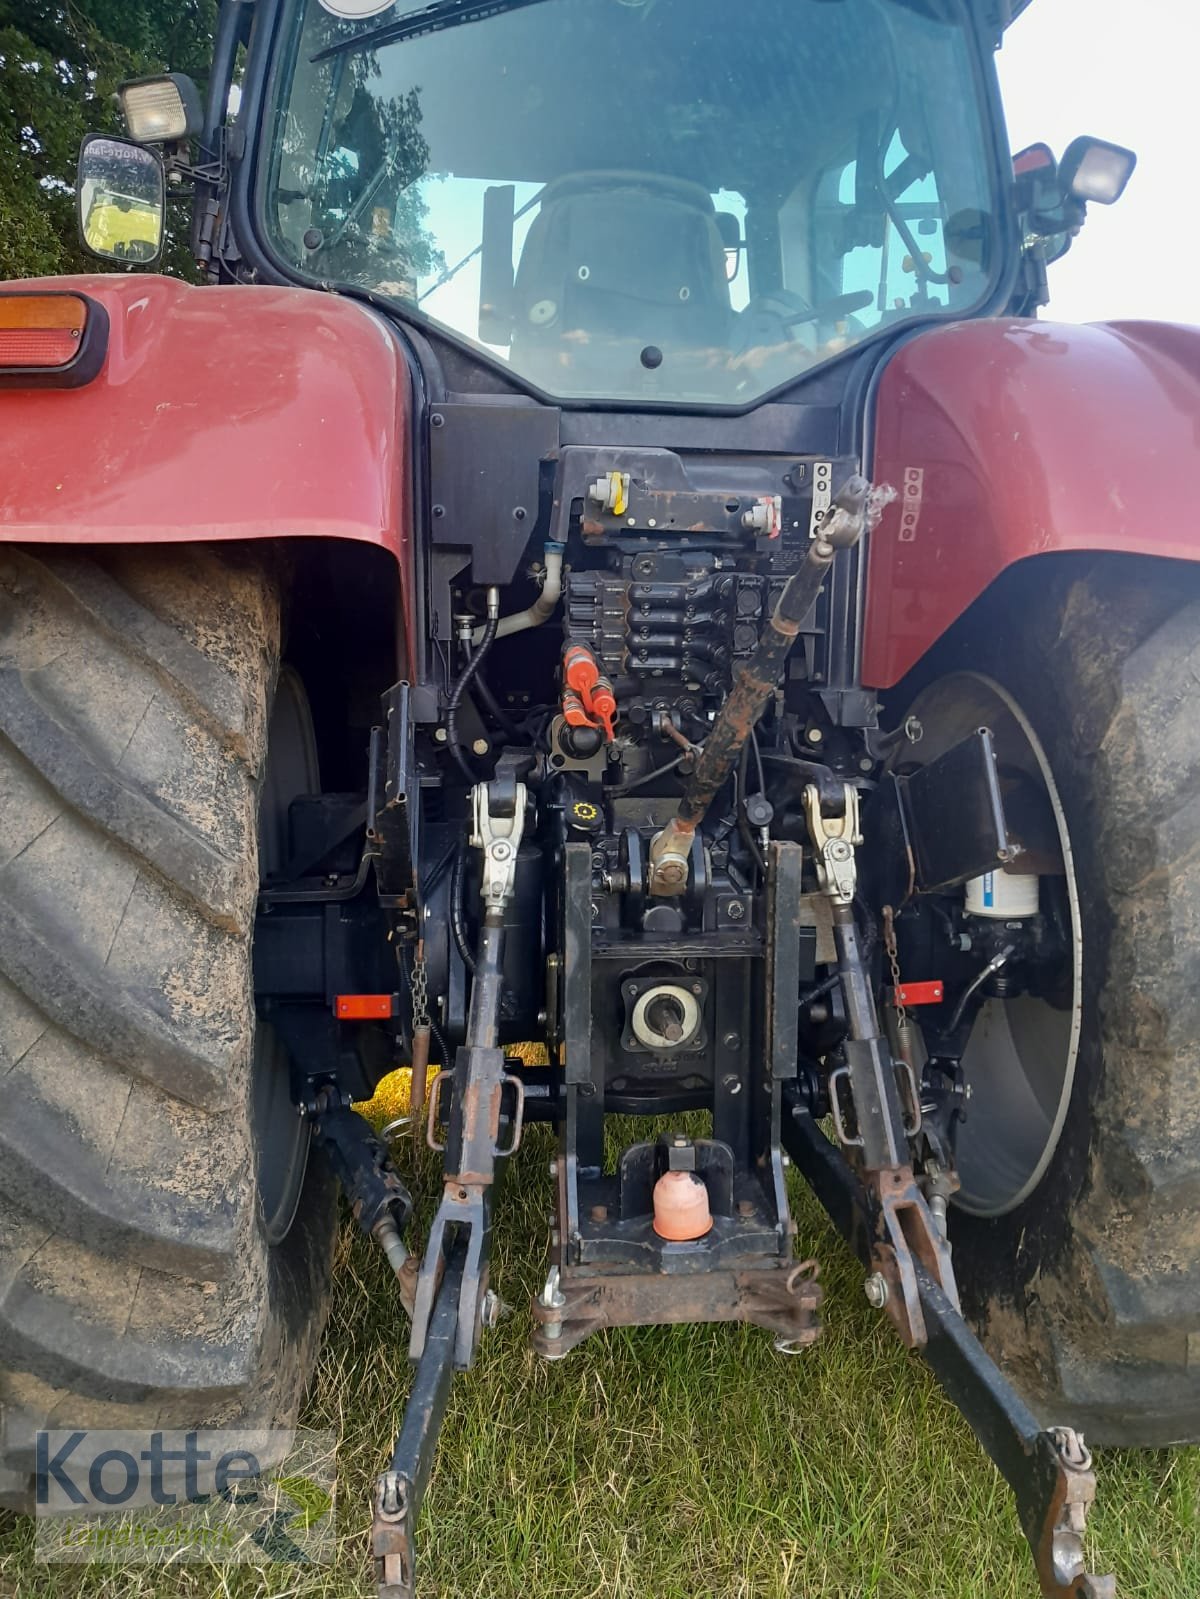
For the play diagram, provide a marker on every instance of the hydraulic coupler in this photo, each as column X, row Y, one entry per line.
column 754, row 681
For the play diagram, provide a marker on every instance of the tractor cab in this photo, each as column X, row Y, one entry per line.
column 663, row 201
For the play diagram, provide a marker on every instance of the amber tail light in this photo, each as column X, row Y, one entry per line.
column 50, row 339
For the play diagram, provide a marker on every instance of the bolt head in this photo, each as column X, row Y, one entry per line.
column 736, row 910
column 480, row 746
column 876, row 1290
column 440, row 735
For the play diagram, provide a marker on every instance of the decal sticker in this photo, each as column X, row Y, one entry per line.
column 910, row 505
column 353, row 10
column 822, row 495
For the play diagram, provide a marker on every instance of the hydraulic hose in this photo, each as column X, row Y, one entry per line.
column 543, row 607
column 464, row 681
column 457, row 925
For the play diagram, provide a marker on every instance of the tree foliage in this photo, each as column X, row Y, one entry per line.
column 60, row 64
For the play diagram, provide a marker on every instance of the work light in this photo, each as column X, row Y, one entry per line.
column 161, row 110
column 1093, row 169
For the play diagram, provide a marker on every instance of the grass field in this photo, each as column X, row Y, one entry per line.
column 664, row 1463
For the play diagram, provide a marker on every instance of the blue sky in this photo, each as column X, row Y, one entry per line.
column 1124, row 70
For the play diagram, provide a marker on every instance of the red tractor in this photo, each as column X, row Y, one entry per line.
column 613, row 559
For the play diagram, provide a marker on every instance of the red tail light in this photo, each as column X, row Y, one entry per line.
column 50, row 338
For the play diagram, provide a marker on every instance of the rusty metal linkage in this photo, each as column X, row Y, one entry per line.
column 784, row 1299
column 481, row 1091
column 754, row 681
column 1048, row 1470
column 904, row 1232
column 452, row 1302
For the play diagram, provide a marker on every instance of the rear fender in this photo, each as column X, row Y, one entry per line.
column 219, row 413
column 1007, row 439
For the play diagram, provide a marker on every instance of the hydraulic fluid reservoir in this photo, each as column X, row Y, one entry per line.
column 1006, row 896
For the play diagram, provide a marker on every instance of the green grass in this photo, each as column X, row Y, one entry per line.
column 656, row 1463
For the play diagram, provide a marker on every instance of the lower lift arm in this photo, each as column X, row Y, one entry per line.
column 486, row 1107
column 1048, row 1469
column 878, row 1206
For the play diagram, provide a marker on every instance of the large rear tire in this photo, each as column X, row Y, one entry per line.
column 164, row 1252
column 1085, row 1280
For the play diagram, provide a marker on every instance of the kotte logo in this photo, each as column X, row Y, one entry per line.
column 202, row 1493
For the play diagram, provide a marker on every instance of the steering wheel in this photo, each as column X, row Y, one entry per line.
column 784, row 310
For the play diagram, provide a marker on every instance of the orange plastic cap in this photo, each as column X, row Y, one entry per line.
column 574, row 714
column 681, row 1210
column 604, row 705
column 580, row 669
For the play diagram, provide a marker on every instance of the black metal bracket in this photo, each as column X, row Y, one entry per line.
column 1048, row 1470
column 400, row 1489
column 361, row 1164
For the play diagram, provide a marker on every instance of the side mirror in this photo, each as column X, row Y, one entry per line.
column 1093, row 169
column 1052, row 197
column 1036, row 183
column 1034, row 158
column 121, row 195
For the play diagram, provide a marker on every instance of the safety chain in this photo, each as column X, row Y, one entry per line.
column 419, row 989
column 889, row 944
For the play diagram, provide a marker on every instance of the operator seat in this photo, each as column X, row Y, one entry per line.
column 615, row 262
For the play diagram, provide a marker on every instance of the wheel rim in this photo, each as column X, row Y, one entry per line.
column 1019, row 1064
column 281, row 1136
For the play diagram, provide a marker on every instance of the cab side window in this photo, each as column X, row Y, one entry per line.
column 861, row 248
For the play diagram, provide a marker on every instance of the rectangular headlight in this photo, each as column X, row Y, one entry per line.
column 161, row 110
column 1094, row 169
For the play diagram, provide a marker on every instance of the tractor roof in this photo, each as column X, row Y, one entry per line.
column 1004, row 12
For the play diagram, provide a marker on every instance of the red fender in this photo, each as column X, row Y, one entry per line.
column 219, row 413
column 1011, row 438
